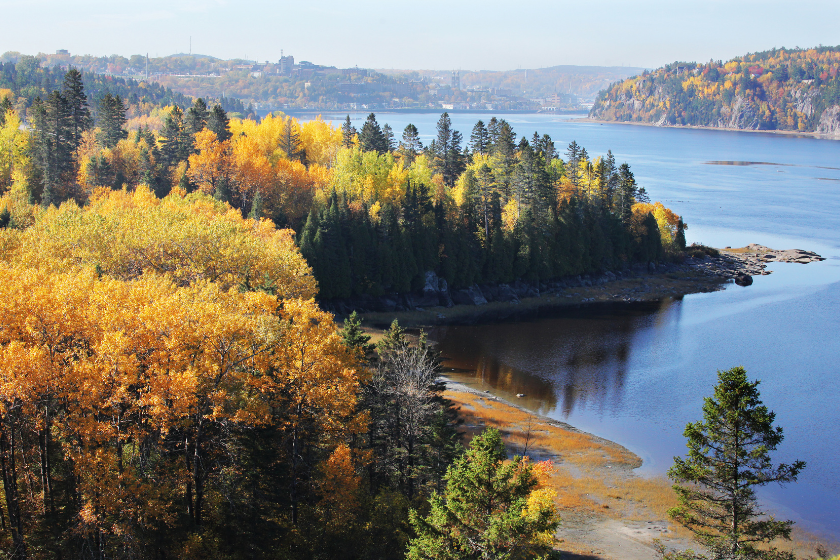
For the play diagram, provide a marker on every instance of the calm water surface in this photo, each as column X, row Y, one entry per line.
column 637, row 373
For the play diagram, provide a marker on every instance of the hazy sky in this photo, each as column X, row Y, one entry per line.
column 429, row 34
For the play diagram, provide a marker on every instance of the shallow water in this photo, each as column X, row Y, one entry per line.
column 637, row 373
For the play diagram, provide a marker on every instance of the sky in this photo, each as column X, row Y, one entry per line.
column 427, row 34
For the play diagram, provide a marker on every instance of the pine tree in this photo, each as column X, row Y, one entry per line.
column 73, row 91
column 356, row 339
column 728, row 456
column 218, row 122
column 371, row 138
column 53, row 148
column 410, row 145
column 172, row 137
column 479, row 139
column 489, row 509
column 196, row 118
column 348, row 131
column 290, row 141
column 388, row 135
column 112, row 120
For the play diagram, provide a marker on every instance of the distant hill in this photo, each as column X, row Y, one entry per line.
column 779, row 89
column 579, row 82
column 28, row 77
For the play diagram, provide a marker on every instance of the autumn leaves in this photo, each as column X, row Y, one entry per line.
column 139, row 336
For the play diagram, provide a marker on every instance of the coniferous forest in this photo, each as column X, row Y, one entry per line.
column 170, row 386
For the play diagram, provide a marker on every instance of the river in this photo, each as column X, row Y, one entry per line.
column 637, row 373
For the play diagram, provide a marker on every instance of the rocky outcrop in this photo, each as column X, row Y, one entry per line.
column 469, row 296
column 730, row 265
column 830, row 122
column 742, row 115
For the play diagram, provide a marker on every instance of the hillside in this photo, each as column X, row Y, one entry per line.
column 24, row 78
column 780, row 89
column 568, row 83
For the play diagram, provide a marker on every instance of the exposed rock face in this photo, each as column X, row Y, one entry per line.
column 742, row 115
column 803, row 100
column 830, row 121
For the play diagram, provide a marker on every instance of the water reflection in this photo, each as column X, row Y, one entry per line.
column 561, row 360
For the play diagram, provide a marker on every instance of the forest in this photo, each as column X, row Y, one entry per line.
column 779, row 89
column 170, row 387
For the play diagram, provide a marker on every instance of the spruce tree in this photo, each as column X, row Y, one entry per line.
column 728, row 457
column 348, row 131
column 112, row 120
column 483, row 512
column 371, row 137
column 290, row 141
column 388, row 135
column 73, row 91
column 197, row 116
column 479, row 139
column 218, row 122
column 174, row 147
column 410, row 146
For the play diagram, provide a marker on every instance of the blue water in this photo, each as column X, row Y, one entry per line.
column 636, row 374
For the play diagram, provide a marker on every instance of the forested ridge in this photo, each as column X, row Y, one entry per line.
column 170, row 388
column 779, row 89
column 25, row 79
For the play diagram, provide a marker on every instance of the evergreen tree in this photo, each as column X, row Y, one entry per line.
column 77, row 107
column 479, row 139
column 573, row 163
column 218, row 122
column 53, row 147
column 172, row 135
column 371, row 137
column 388, row 135
column 448, row 160
column 410, row 146
column 484, row 512
column 112, row 120
column 348, row 131
column 196, row 118
column 290, row 141
column 356, row 339
column 493, row 132
column 256, row 207
column 627, row 191
column 728, row 457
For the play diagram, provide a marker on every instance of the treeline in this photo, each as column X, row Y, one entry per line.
column 495, row 211
column 373, row 214
column 780, row 89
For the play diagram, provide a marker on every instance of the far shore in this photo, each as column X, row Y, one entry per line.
column 695, row 127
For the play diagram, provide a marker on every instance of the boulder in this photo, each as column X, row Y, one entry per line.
column 743, row 279
column 506, row 293
column 469, row 296
column 431, row 284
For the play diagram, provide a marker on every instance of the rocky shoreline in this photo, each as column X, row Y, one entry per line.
column 703, row 270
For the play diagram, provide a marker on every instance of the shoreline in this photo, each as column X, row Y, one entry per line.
column 704, row 270
column 791, row 133
column 608, row 511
